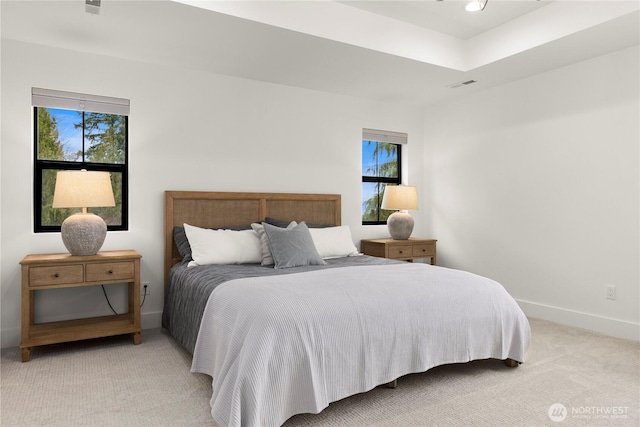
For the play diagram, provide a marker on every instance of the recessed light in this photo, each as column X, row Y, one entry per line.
column 476, row 5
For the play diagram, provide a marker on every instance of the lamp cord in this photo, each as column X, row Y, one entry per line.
column 104, row 291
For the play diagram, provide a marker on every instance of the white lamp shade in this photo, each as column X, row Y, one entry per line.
column 400, row 197
column 83, row 189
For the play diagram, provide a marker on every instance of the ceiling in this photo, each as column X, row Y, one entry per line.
column 406, row 52
column 449, row 17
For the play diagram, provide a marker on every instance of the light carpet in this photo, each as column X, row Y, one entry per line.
column 571, row 377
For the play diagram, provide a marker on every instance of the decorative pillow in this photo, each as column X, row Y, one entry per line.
column 182, row 243
column 223, row 246
column 292, row 247
column 333, row 242
column 277, row 222
column 283, row 224
column 267, row 259
column 180, row 238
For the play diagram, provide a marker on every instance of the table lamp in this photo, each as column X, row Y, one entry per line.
column 400, row 198
column 83, row 233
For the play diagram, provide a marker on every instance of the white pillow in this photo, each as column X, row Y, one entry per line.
column 223, row 246
column 267, row 258
column 333, row 242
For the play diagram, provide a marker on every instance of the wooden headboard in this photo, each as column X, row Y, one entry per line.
column 222, row 209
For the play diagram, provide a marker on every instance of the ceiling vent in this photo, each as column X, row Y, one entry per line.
column 92, row 6
column 461, row 84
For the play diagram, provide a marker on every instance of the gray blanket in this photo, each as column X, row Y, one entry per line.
column 276, row 346
column 189, row 288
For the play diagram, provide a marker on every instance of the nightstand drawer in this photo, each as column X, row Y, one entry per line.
column 109, row 271
column 400, row 251
column 424, row 250
column 64, row 274
column 409, row 250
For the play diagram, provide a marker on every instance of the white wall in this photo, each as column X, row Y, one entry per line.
column 188, row 130
column 536, row 184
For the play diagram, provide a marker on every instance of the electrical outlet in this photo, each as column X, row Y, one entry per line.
column 611, row 292
column 145, row 289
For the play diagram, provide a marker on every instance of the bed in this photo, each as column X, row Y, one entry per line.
column 284, row 341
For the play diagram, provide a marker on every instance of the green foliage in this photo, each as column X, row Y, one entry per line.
column 371, row 207
column 49, row 146
column 104, row 136
column 386, row 169
column 389, row 169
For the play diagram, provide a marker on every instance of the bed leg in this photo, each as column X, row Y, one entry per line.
column 511, row 363
column 392, row 384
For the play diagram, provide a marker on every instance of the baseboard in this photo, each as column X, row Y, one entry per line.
column 151, row 320
column 11, row 337
column 604, row 325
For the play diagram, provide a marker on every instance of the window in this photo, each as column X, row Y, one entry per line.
column 72, row 132
column 381, row 166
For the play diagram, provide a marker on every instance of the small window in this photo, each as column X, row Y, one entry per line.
column 74, row 139
column 381, row 166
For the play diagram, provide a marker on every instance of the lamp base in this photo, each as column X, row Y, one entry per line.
column 400, row 225
column 83, row 233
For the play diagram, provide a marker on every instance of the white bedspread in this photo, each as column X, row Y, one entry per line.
column 283, row 345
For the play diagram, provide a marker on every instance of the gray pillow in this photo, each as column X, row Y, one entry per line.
column 267, row 259
column 292, row 247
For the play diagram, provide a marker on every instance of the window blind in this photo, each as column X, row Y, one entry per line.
column 79, row 101
column 384, row 136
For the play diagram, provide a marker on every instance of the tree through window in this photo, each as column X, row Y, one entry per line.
column 381, row 166
column 68, row 139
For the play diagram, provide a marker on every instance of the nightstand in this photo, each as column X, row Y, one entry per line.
column 407, row 250
column 51, row 271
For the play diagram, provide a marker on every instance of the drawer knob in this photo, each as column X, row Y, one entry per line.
column 424, row 250
column 56, row 275
column 400, row 251
column 110, row 271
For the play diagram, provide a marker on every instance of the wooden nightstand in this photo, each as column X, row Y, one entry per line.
column 408, row 250
column 49, row 271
